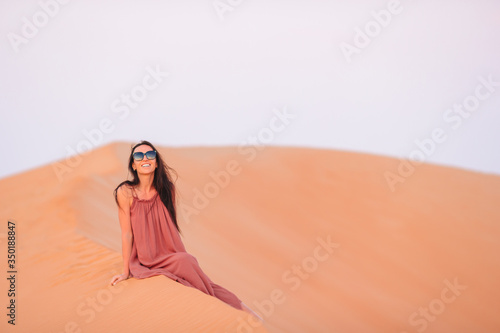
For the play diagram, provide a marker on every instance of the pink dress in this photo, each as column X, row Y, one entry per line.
column 157, row 249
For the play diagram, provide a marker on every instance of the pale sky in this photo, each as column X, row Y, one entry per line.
column 411, row 67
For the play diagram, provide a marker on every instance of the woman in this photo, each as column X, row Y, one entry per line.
column 151, row 243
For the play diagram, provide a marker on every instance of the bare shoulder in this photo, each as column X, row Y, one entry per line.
column 125, row 190
column 124, row 195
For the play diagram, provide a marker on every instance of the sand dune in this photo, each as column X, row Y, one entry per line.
column 313, row 240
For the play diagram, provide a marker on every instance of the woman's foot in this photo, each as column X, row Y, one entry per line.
column 247, row 309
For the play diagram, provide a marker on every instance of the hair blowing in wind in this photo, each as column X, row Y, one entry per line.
column 162, row 181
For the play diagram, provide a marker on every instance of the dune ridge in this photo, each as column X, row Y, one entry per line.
column 312, row 239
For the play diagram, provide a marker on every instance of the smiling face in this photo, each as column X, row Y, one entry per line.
column 144, row 166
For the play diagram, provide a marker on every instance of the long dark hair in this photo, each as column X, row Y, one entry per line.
column 162, row 181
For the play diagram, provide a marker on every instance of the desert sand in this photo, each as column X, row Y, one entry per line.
column 313, row 240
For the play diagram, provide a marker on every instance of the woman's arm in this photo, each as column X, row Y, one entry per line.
column 127, row 236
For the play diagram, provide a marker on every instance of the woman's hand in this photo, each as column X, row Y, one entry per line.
column 118, row 278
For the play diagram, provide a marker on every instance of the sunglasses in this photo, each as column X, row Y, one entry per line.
column 150, row 155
